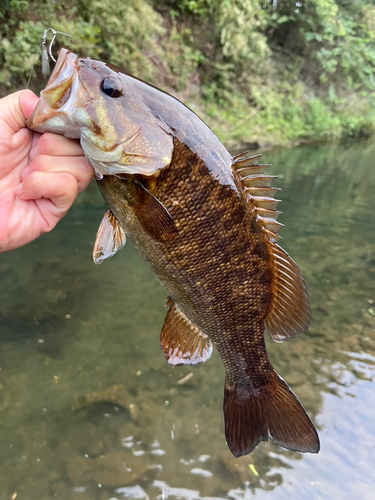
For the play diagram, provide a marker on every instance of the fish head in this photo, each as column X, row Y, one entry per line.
column 108, row 111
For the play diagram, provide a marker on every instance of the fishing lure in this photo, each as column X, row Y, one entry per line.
column 46, row 53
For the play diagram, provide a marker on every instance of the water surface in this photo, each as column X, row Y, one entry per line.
column 90, row 410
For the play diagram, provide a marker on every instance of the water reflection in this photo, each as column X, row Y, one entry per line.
column 89, row 408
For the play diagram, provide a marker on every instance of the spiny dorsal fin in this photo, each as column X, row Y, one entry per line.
column 182, row 342
column 260, row 195
column 109, row 239
column 289, row 312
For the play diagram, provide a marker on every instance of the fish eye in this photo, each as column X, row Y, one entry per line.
column 111, row 87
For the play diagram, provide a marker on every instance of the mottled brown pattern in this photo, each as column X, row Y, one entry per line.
column 217, row 269
column 205, row 223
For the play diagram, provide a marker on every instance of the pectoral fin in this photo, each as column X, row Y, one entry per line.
column 109, row 239
column 152, row 214
column 182, row 342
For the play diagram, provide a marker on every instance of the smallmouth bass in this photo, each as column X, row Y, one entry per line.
column 205, row 222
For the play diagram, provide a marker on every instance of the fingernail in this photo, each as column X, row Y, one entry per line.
column 34, row 153
column 25, row 172
column 19, row 190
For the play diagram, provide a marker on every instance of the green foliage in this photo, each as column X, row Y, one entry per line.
column 232, row 39
column 200, row 7
column 240, row 24
column 337, row 35
column 181, row 58
column 284, row 70
column 122, row 32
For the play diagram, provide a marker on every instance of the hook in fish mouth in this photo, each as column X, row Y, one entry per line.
column 60, row 99
column 117, row 135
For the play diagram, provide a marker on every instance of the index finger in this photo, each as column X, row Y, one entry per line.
column 58, row 145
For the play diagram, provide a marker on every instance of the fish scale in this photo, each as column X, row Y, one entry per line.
column 233, row 335
column 205, row 223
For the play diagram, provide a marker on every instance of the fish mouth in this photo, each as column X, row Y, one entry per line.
column 60, row 99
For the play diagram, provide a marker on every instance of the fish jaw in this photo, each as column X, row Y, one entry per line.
column 118, row 136
column 62, row 101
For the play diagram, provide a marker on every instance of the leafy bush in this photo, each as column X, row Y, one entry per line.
column 338, row 36
column 122, row 32
column 286, row 70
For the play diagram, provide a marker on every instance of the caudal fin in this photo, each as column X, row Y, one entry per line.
column 250, row 418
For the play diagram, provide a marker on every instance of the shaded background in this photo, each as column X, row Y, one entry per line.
column 258, row 71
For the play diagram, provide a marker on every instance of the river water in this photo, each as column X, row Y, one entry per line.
column 89, row 409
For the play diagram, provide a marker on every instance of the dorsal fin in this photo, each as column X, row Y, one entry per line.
column 260, row 195
column 289, row 312
column 109, row 239
column 182, row 342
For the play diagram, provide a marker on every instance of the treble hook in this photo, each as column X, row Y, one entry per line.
column 48, row 54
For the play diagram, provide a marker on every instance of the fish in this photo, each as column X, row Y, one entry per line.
column 206, row 224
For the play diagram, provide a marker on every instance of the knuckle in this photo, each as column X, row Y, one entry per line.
column 69, row 182
column 87, row 169
column 46, row 143
column 32, row 178
column 82, row 163
column 40, row 164
column 84, row 173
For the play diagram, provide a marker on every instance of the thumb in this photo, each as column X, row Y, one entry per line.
column 16, row 108
column 28, row 100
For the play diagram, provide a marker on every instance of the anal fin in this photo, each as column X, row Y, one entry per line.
column 109, row 239
column 182, row 342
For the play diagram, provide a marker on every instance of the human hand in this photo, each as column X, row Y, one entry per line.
column 40, row 175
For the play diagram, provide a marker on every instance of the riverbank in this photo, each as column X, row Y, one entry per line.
column 258, row 73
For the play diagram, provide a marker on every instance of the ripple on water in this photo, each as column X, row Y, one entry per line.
column 82, row 342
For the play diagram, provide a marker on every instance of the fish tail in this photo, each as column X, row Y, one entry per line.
column 251, row 415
